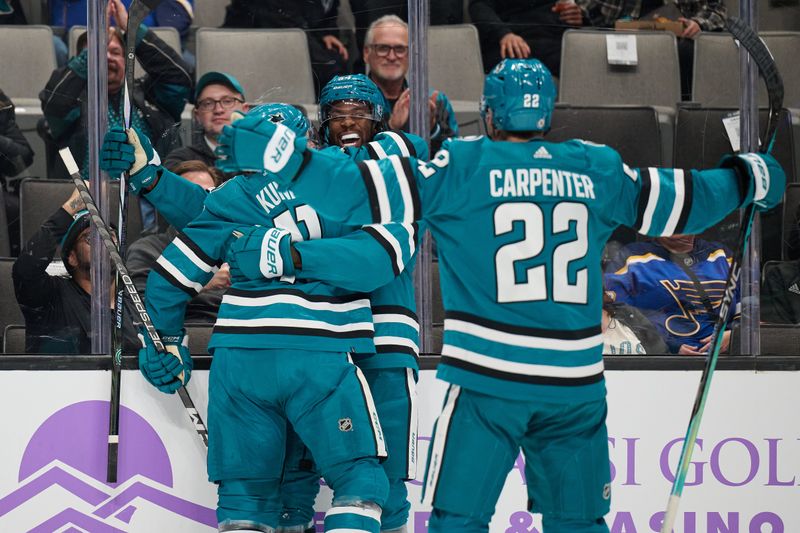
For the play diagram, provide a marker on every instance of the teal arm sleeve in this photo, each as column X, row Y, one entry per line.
column 177, row 199
column 362, row 261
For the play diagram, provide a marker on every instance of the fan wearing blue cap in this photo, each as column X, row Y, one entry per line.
column 216, row 96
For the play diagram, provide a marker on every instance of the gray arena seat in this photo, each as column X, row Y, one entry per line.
column 716, row 70
column 199, row 335
column 701, row 141
column 9, row 309
column 776, row 339
column 271, row 65
column 27, row 59
column 632, row 131
column 209, row 13
column 790, row 231
column 14, row 339
column 39, row 199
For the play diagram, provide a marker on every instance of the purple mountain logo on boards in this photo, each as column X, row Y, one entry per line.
column 73, row 437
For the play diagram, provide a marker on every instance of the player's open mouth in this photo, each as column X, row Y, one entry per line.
column 350, row 139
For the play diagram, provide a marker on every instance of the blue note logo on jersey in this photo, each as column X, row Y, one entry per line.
column 690, row 303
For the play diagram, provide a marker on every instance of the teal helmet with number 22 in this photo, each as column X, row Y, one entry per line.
column 521, row 95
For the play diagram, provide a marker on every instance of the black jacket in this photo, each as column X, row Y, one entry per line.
column 57, row 310
column 15, row 153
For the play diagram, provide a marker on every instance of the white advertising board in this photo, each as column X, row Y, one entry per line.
column 744, row 477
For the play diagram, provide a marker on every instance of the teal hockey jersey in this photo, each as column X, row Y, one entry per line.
column 520, row 229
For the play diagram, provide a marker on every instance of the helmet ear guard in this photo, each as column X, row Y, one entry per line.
column 521, row 95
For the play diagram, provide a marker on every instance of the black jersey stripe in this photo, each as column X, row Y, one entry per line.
column 396, row 348
column 521, row 378
column 393, row 309
column 344, row 299
column 373, row 154
column 204, row 257
column 290, row 330
column 412, row 185
column 387, row 247
column 686, row 209
column 409, row 145
column 167, row 275
column 644, row 196
column 560, row 334
column 372, row 193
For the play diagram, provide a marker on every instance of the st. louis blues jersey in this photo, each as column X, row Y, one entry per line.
column 647, row 276
column 520, row 228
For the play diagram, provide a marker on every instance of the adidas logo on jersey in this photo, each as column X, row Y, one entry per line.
column 795, row 289
column 542, row 153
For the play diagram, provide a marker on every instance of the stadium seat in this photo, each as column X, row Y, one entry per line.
column 14, row 339
column 632, row 131
column 27, row 59
column 40, row 198
column 5, row 244
column 776, row 339
column 716, row 69
column 790, row 230
column 275, row 67
column 701, row 141
column 209, row 13
column 199, row 335
column 588, row 80
column 9, row 309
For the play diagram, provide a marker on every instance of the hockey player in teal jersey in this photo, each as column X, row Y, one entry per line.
column 254, row 392
column 392, row 372
column 520, row 225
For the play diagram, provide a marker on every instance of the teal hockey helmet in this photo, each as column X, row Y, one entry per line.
column 286, row 114
column 353, row 88
column 521, row 95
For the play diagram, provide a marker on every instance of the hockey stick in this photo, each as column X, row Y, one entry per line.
column 134, row 299
column 766, row 66
column 138, row 11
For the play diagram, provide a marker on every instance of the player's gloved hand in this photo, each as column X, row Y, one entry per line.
column 116, row 154
column 166, row 371
column 259, row 252
column 761, row 176
column 253, row 143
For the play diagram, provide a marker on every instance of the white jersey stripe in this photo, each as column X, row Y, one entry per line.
column 379, row 151
column 261, row 301
column 377, row 430
column 401, row 145
column 652, row 201
column 405, row 189
column 384, row 207
column 293, row 323
column 179, row 276
column 436, row 453
column 413, row 426
column 524, row 341
column 389, row 318
column 677, row 205
column 193, row 257
column 393, row 242
column 523, row 369
column 384, row 340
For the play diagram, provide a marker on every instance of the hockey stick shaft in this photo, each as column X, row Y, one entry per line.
column 138, row 11
column 135, row 300
column 766, row 65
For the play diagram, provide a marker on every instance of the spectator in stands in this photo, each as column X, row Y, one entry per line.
column 386, row 57
column 143, row 253
column 216, row 96
column 316, row 17
column 158, row 98
column 678, row 283
column 696, row 16
column 15, row 156
column 626, row 331
column 522, row 29
column 365, row 12
column 57, row 309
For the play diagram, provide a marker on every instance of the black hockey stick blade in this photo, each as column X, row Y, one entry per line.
column 135, row 301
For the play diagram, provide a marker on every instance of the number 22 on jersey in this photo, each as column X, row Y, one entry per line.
column 534, row 288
